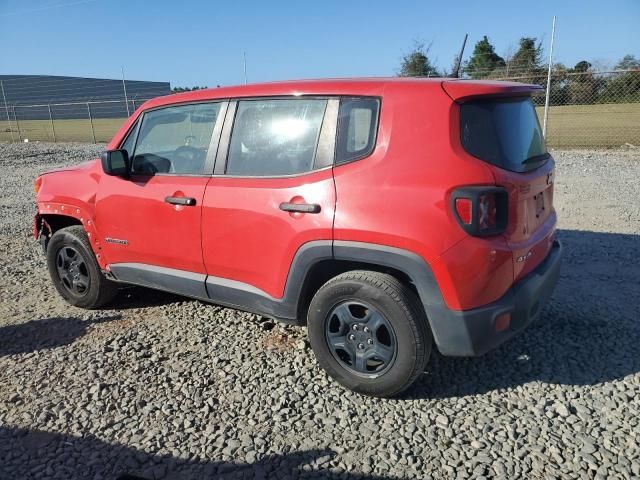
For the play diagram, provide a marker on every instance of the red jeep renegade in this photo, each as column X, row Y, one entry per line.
column 385, row 214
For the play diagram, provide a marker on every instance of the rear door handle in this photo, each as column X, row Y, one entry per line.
column 300, row 207
column 186, row 201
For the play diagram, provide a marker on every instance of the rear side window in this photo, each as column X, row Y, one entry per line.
column 357, row 126
column 503, row 132
column 273, row 137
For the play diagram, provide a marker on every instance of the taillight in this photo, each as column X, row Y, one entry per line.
column 463, row 209
column 37, row 184
column 481, row 211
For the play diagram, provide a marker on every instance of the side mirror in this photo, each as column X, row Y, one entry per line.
column 116, row 163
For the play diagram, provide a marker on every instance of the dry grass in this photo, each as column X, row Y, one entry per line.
column 605, row 125
column 66, row 130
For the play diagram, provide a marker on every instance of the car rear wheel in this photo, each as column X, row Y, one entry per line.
column 369, row 332
column 75, row 271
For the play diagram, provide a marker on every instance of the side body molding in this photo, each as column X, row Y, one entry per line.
column 229, row 292
column 252, row 299
column 246, row 297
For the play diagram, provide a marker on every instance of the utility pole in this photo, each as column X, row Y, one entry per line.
column 244, row 55
column 546, row 100
column 7, row 110
column 456, row 73
column 124, row 87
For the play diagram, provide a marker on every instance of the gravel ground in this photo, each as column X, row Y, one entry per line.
column 164, row 387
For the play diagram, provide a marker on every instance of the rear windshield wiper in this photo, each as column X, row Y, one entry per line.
column 536, row 158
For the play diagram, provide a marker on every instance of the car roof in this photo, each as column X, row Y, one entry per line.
column 340, row 86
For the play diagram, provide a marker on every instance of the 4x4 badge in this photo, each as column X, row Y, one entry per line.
column 116, row 240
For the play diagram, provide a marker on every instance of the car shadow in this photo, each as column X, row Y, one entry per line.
column 131, row 297
column 589, row 333
column 28, row 451
column 45, row 333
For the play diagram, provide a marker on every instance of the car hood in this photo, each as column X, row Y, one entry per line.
column 81, row 166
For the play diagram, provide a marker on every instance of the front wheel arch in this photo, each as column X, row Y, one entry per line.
column 48, row 223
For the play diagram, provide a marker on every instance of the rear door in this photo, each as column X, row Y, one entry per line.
column 272, row 191
column 505, row 133
column 150, row 223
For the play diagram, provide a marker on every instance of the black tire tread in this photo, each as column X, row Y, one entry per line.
column 107, row 289
column 407, row 299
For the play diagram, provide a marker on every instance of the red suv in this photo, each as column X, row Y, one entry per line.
column 385, row 214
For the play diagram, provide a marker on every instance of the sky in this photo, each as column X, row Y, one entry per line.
column 198, row 42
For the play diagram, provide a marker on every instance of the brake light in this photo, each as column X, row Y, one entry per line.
column 463, row 209
column 37, row 184
column 481, row 211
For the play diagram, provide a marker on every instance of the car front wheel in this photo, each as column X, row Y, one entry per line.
column 75, row 271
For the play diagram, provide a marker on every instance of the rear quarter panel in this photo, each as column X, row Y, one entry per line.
column 399, row 196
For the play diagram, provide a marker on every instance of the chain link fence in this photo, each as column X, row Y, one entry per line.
column 589, row 109
column 586, row 109
column 94, row 121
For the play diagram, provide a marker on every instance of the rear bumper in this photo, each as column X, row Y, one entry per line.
column 473, row 332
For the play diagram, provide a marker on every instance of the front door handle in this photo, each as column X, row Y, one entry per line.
column 300, row 207
column 186, row 201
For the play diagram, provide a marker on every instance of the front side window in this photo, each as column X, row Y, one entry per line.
column 175, row 139
column 358, row 122
column 273, row 137
column 130, row 140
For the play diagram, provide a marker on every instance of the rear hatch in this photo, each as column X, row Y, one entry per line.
column 501, row 128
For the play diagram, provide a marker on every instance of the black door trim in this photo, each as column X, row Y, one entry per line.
column 243, row 296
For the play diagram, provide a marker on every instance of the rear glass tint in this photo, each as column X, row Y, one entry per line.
column 503, row 132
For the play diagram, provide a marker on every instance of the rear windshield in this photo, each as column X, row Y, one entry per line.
column 503, row 132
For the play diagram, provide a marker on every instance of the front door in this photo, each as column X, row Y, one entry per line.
column 273, row 191
column 150, row 223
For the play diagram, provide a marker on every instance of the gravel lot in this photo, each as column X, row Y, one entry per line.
column 165, row 387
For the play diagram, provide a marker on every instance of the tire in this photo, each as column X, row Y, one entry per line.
column 75, row 271
column 395, row 318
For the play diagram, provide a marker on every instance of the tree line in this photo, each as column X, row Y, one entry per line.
column 579, row 84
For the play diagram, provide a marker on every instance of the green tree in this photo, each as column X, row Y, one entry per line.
column 186, row 89
column 583, row 87
column 582, row 66
column 484, row 60
column 623, row 87
column 416, row 63
column 559, row 92
column 527, row 61
column 628, row 62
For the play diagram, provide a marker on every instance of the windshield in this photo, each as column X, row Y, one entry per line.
column 503, row 132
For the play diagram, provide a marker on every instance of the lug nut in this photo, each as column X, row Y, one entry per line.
column 360, row 346
column 370, row 341
column 355, row 327
column 366, row 330
column 352, row 337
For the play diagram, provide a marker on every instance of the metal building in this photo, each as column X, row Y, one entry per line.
column 24, row 91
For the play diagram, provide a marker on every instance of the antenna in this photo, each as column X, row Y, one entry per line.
column 456, row 72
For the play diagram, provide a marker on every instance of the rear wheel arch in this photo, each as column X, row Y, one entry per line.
column 325, row 270
column 308, row 274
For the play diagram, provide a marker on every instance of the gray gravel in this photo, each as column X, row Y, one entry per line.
column 165, row 387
